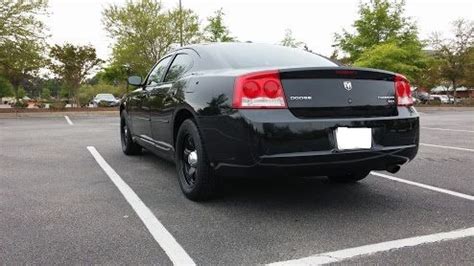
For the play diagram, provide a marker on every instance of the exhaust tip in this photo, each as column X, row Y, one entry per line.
column 393, row 168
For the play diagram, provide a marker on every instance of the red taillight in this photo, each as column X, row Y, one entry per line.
column 259, row 90
column 403, row 91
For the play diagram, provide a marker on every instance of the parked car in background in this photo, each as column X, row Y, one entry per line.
column 444, row 99
column 421, row 97
column 245, row 109
column 105, row 99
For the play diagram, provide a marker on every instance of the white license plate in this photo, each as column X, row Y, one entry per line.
column 353, row 138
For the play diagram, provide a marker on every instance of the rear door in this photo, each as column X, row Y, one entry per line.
column 339, row 92
column 166, row 97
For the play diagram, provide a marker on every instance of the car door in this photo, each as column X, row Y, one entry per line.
column 141, row 118
column 165, row 98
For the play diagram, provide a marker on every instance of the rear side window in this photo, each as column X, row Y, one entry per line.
column 157, row 73
column 255, row 55
column 181, row 64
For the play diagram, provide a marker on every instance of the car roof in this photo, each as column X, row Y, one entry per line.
column 210, row 50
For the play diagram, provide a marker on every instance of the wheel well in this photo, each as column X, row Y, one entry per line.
column 179, row 119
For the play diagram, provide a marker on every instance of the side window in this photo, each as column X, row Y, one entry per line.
column 181, row 64
column 158, row 72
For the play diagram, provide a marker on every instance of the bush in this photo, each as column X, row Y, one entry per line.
column 58, row 105
column 103, row 104
column 20, row 104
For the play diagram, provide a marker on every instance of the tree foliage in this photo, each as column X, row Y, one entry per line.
column 6, row 88
column 19, row 20
column 143, row 32
column 46, row 94
column 380, row 21
column 290, row 41
column 72, row 64
column 216, row 30
column 389, row 56
column 384, row 38
column 22, row 39
column 455, row 54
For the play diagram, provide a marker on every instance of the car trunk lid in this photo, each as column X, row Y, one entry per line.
column 339, row 92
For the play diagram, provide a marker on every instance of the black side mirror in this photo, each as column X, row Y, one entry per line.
column 135, row 80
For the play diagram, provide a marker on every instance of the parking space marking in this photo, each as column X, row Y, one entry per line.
column 446, row 147
column 437, row 189
column 68, row 120
column 446, row 129
column 168, row 243
column 344, row 254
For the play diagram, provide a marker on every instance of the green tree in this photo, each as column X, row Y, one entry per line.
column 72, row 64
column 290, row 41
column 429, row 77
column 144, row 32
column 408, row 60
column 21, row 93
column 468, row 80
column 455, row 54
column 6, row 88
column 380, row 21
column 20, row 62
column 112, row 75
column 19, row 20
column 216, row 30
column 45, row 94
column 22, row 39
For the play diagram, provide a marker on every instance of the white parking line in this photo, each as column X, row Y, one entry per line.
column 446, row 147
column 437, row 189
column 344, row 254
column 168, row 243
column 446, row 129
column 68, row 120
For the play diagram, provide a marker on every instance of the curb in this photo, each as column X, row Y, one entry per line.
column 59, row 114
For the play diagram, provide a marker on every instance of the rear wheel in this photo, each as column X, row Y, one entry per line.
column 349, row 178
column 129, row 147
column 194, row 173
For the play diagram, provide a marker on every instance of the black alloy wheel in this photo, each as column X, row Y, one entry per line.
column 194, row 172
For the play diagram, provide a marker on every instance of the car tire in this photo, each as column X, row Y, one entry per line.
column 129, row 146
column 194, row 173
column 349, row 178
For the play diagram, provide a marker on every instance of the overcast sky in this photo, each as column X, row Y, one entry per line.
column 312, row 21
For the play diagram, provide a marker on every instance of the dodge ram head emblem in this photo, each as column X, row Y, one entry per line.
column 347, row 85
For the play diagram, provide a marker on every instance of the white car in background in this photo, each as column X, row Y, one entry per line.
column 444, row 99
column 105, row 99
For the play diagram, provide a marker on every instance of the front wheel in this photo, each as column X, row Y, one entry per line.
column 349, row 178
column 194, row 173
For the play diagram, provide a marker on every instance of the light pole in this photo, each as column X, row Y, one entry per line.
column 180, row 24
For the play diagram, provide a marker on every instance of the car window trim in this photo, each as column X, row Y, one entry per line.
column 172, row 61
column 172, row 56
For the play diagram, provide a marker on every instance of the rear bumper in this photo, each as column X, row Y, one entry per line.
column 275, row 142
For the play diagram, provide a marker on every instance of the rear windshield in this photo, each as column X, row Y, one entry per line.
column 251, row 55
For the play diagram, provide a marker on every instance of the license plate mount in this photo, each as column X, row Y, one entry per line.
column 353, row 138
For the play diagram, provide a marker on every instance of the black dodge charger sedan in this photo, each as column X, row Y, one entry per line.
column 244, row 109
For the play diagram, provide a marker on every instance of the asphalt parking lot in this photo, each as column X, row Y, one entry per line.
column 58, row 205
